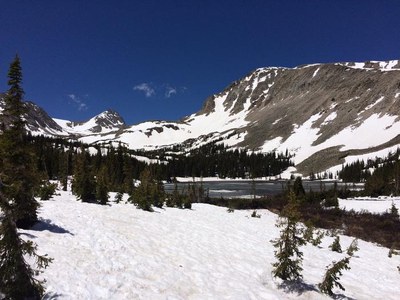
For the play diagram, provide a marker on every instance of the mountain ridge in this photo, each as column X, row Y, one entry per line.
column 339, row 111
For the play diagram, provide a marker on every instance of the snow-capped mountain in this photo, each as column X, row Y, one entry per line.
column 325, row 114
column 106, row 122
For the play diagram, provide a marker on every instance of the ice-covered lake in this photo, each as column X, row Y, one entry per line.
column 246, row 188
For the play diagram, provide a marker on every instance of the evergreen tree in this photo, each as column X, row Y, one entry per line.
column 288, row 254
column 142, row 194
column 17, row 164
column 298, row 188
column 16, row 275
column 83, row 185
column 309, row 237
column 187, row 202
column 128, row 174
column 47, row 190
column 118, row 197
column 171, row 200
column 63, row 172
column 336, row 245
column 157, row 193
column 394, row 211
column 332, row 276
column 101, row 186
column 352, row 248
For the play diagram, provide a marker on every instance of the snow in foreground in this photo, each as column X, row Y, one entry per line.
column 120, row 252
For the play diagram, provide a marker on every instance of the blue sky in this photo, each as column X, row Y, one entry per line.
column 162, row 59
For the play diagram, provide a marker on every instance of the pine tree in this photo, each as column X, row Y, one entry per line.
column 118, row 197
column 128, row 174
column 336, row 245
column 16, row 275
column 332, row 276
column 394, row 211
column 352, row 248
column 83, row 184
column 142, row 194
column 298, row 188
column 17, row 163
column 310, row 235
column 63, row 172
column 157, row 193
column 187, row 202
column 288, row 254
column 101, row 186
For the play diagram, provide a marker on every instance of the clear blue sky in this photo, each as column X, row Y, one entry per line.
column 161, row 59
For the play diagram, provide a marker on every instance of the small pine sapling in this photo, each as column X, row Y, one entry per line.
column 317, row 240
column 288, row 254
column 312, row 236
column 187, row 202
column 394, row 211
column 118, row 197
column 352, row 248
column 336, row 245
column 332, row 276
column 169, row 202
column 230, row 210
column 392, row 252
column 308, row 233
column 47, row 190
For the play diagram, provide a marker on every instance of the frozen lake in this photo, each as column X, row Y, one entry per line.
column 246, row 188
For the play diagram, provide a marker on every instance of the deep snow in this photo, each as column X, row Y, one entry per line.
column 120, row 252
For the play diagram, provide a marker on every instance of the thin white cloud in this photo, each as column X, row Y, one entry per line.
column 146, row 88
column 170, row 91
column 76, row 100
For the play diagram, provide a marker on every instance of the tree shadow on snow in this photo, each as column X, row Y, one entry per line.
column 31, row 236
column 297, row 286
column 300, row 287
column 46, row 224
column 342, row 297
column 51, row 296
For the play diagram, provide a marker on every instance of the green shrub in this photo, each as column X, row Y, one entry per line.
column 47, row 190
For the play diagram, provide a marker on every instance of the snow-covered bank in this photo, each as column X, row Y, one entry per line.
column 120, row 252
column 374, row 205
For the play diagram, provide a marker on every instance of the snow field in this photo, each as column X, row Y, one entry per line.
column 120, row 252
column 374, row 205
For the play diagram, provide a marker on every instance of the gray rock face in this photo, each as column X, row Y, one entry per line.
column 342, row 96
column 36, row 118
column 272, row 103
column 281, row 98
column 107, row 120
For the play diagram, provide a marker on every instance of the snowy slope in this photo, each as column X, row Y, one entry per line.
column 326, row 115
column 107, row 121
column 120, row 252
column 348, row 109
column 153, row 134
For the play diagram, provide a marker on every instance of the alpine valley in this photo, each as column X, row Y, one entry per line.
column 325, row 115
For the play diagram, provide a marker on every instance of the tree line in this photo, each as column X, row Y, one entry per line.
column 380, row 175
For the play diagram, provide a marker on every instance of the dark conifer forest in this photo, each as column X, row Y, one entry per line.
column 58, row 158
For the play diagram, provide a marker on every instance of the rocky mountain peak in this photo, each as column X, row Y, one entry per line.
column 324, row 114
column 110, row 119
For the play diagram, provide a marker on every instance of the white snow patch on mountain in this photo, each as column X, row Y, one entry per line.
column 374, row 131
column 332, row 116
column 375, row 103
column 315, row 72
column 154, row 134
